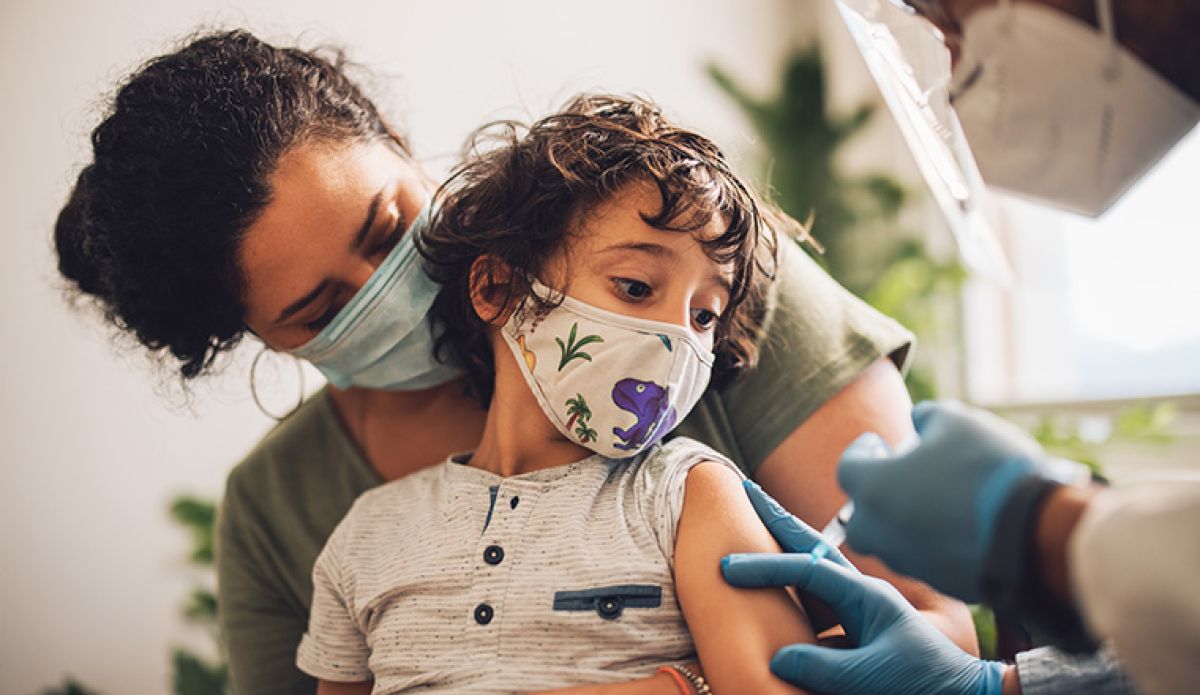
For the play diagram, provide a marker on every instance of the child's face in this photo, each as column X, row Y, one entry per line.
column 619, row 263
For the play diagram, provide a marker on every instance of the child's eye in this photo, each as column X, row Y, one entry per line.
column 632, row 290
column 705, row 318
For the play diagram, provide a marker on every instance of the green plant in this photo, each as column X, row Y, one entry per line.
column 192, row 674
column 898, row 276
column 70, row 687
column 1145, row 423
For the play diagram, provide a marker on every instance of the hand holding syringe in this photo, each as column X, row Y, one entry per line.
column 833, row 534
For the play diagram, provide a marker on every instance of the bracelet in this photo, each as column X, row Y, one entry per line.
column 698, row 683
column 684, row 688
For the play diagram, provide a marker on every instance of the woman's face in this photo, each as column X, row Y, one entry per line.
column 619, row 263
column 336, row 210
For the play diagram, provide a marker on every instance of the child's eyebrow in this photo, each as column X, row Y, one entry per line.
column 658, row 251
column 646, row 247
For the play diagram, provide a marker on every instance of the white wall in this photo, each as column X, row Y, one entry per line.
column 92, row 571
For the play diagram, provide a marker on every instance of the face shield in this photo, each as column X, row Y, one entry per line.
column 1052, row 108
column 909, row 62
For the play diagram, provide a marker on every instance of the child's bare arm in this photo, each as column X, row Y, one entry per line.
column 336, row 688
column 736, row 631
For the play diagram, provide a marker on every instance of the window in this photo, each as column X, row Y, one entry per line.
column 1098, row 309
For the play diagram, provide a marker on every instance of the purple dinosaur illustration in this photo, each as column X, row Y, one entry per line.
column 649, row 402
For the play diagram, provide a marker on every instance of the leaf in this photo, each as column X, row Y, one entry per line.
column 201, row 606
column 194, row 676
column 588, row 341
column 985, row 629
column 70, row 686
column 194, row 512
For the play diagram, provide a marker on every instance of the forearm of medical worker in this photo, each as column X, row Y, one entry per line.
column 800, row 474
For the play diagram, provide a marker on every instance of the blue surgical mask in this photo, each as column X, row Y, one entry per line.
column 382, row 339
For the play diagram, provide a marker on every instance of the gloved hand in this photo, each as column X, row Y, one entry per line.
column 930, row 512
column 897, row 652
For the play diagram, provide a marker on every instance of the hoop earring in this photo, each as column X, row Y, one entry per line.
column 254, row 389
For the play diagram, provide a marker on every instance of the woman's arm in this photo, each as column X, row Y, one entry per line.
column 801, row 473
column 736, row 631
column 260, row 627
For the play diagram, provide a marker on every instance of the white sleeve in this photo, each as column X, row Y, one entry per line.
column 334, row 648
column 1135, row 566
column 666, row 476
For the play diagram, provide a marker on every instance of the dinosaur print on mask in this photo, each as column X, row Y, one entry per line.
column 650, row 403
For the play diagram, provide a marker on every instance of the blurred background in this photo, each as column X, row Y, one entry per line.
column 110, row 467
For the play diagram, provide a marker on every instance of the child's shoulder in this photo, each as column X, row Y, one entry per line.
column 666, row 465
column 685, row 452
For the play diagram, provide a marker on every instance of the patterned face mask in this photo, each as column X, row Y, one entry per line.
column 611, row 383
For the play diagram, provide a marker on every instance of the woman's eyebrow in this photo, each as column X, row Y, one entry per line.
column 302, row 302
column 372, row 209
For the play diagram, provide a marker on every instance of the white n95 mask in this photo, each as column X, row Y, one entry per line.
column 382, row 338
column 608, row 382
column 1059, row 112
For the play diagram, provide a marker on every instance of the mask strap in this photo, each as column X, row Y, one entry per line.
column 1104, row 16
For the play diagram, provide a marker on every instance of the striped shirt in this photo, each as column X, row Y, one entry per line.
column 455, row 580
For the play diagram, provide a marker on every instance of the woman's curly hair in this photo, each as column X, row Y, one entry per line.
column 522, row 190
column 152, row 228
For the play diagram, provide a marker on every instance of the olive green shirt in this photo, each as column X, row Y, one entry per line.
column 286, row 497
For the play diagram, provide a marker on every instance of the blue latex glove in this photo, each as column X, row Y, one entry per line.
column 930, row 512
column 898, row 652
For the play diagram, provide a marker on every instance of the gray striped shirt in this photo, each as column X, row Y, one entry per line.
column 455, row 579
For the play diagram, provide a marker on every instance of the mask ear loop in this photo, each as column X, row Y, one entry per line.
column 254, row 389
column 1104, row 16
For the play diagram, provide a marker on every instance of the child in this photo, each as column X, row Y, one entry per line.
column 589, row 271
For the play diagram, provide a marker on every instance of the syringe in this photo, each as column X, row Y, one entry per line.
column 834, row 533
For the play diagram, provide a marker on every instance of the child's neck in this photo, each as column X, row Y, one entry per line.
column 517, row 437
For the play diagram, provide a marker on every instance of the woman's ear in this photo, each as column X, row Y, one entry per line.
column 491, row 291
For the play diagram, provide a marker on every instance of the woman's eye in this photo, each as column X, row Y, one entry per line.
column 389, row 242
column 324, row 319
column 705, row 318
column 632, row 290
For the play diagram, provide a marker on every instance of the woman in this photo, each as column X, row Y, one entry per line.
column 238, row 187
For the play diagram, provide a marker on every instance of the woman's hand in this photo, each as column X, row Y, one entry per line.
column 896, row 652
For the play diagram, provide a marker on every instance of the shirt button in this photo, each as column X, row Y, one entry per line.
column 610, row 607
column 514, row 502
column 493, row 554
column 483, row 614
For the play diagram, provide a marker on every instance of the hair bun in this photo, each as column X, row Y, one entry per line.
column 73, row 241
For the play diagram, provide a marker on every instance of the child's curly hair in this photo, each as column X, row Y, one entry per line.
column 522, row 191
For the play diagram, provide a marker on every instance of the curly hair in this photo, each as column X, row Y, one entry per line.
column 180, row 169
column 521, row 190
